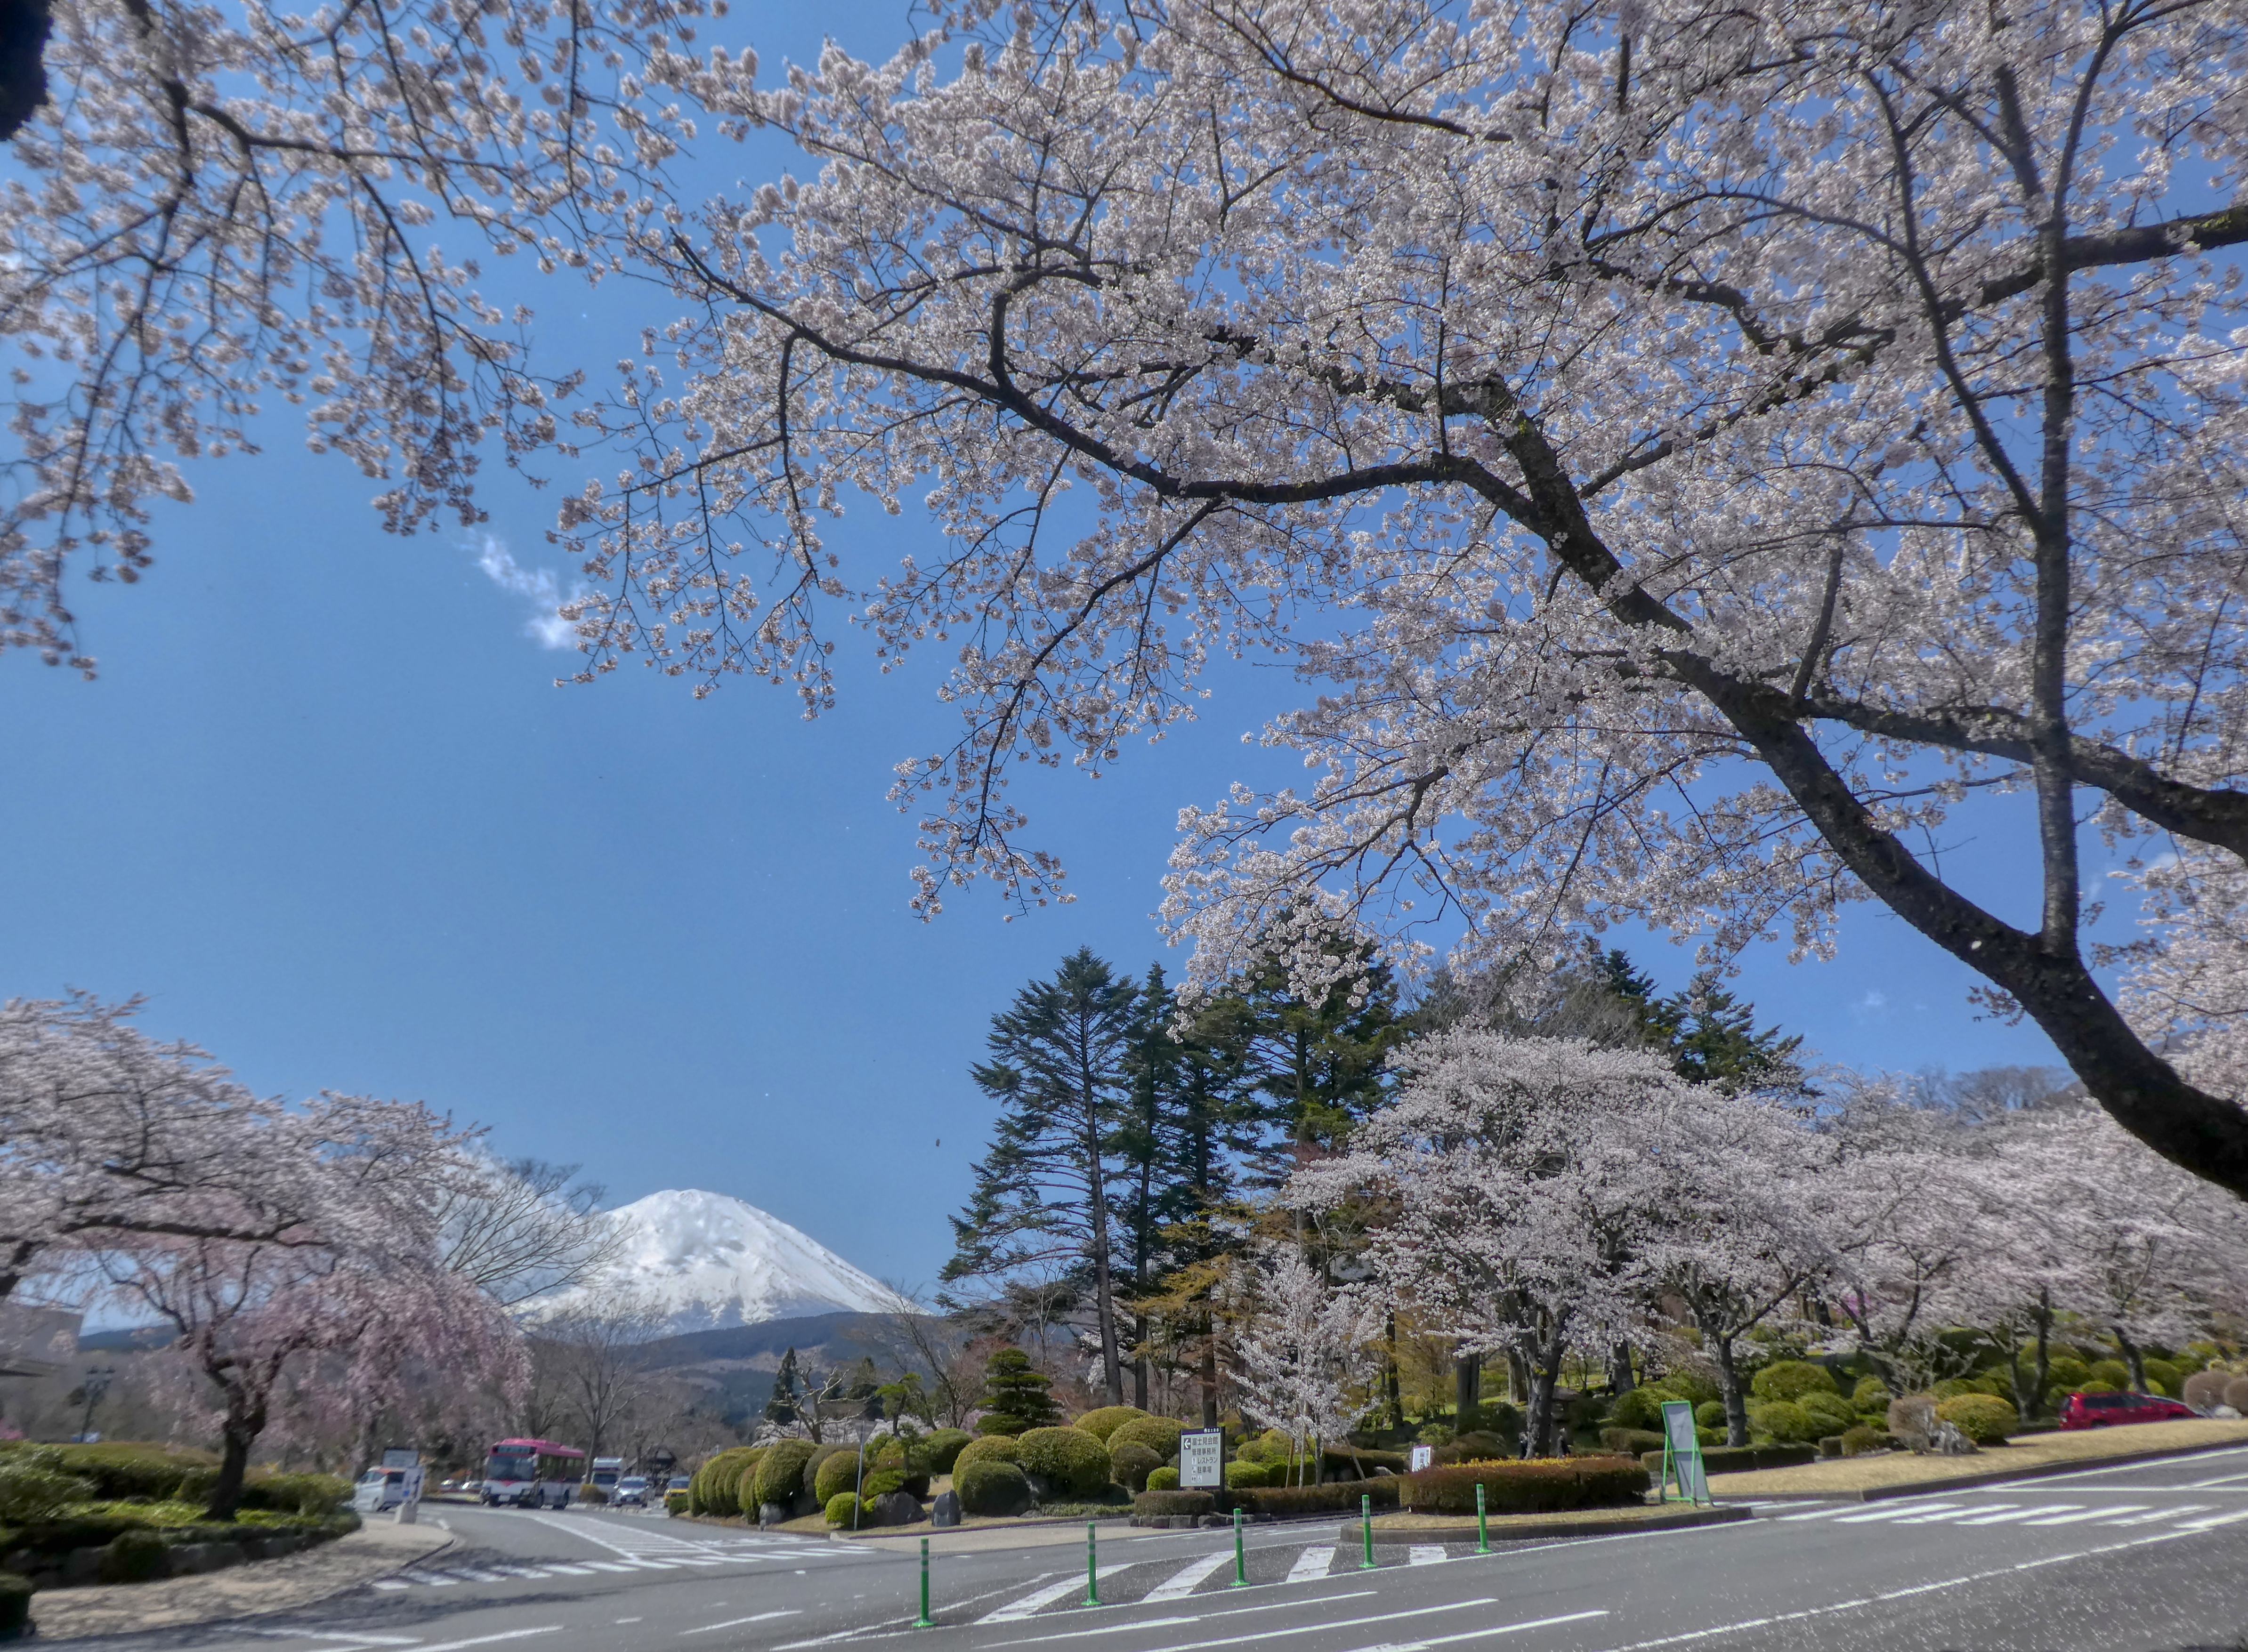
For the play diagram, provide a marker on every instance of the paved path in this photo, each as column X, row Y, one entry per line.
column 2134, row 1557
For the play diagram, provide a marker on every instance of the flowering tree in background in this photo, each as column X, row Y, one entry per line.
column 1306, row 1359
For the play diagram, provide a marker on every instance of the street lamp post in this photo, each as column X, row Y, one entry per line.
column 97, row 1384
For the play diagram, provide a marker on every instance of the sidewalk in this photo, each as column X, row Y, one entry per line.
column 294, row 1580
column 1900, row 1473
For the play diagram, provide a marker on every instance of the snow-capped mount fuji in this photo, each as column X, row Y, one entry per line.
column 705, row 1261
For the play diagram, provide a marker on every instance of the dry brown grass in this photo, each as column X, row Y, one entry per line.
column 1852, row 1475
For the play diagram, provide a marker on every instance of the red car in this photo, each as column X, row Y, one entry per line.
column 2106, row 1410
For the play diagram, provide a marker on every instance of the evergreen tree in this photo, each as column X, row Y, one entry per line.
column 1015, row 1397
column 1320, row 1062
column 786, row 1406
column 1042, row 1197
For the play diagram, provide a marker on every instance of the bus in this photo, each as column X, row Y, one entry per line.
column 533, row 1473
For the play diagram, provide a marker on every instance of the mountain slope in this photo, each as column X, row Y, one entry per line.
column 705, row 1262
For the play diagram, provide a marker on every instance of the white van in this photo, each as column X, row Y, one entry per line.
column 379, row 1489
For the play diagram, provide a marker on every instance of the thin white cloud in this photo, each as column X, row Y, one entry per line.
column 535, row 586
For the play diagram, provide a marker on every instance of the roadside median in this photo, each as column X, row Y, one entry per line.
column 1895, row 1474
column 1404, row 1528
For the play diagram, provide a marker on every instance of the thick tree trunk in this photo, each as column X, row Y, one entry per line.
column 244, row 1422
column 1390, row 1387
column 1208, row 1376
column 1539, row 1427
column 1467, row 1391
column 1720, row 1350
column 1621, row 1378
column 2134, row 1356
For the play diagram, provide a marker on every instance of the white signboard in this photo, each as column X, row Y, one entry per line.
column 1682, row 1454
column 1201, row 1458
column 396, row 1458
column 1422, row 1455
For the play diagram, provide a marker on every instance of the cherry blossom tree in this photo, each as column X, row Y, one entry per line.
column 1305, row 1356
column 1688, row 452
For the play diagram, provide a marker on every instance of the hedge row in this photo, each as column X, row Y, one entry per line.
column 1531, row 1487
column 1739, row 1459
column 1339, row 1497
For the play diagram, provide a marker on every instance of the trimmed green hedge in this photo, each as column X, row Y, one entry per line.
column 1360, row 1462
column 1175, row 1503
column 1630, row 1441
column 1107, row 1420
column 940, row 1448
column 835, row 1473
column 1132, row 1465
column 122, row 1468
column 1983, row 1418
column 779, row 1475
column 1337, row 1497
column 1537, row 1486
column 843, row 1510
column 1159, row 1435
column 716, row 1487
column 992, row 1487
column 1739, row 1459
column 1792, row 1379
column 1069, row 1460
column 1163, row 1479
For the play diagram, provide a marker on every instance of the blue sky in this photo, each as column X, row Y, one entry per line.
column 326, row 808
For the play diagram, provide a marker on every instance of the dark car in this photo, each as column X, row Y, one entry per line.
column 2106, row 1410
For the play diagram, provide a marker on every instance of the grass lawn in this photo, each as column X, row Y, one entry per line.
column 1850, row 1476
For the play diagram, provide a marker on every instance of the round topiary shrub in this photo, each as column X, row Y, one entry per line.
column 835, row 1473
column 1638, row 1408
column 1159, row 1435
column 881, row 1482
column 1952, row 1388
column 134, row 1557
column 941, row 1450
column 1984, row 1418
column 1681, row 1385
column 1830, row 1409
column 1857, row 1442
column 2068, row 1371
column 1710, row 1414
column 843, row 1510
column 1070, row 1461
column 1162, row 1480
column 985, row 1448
column 1243, row 1474
column 2113, row 1373
column 1784, row 1422
column 1788, row 1380
column 1132, row 1465
column 1105, row 1422
column 1871, row 1394
column 993, row 1486
column 2164, row 1377
column 779, row 1475
column 1271, row 1446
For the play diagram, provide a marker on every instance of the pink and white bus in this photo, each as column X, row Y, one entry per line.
column 534, row 1474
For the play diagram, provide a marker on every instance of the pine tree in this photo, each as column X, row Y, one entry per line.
column 1042, row 1197
column 786, row 1405
column 1015, row 1397
column 1320, row 1062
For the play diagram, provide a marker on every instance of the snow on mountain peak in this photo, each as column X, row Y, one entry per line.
column 705, row 1261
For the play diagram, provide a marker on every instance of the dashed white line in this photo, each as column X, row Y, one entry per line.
column 734, row 1624
column 1029, row 1604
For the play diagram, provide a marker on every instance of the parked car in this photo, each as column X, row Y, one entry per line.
column 631, row 1492
column 2106, row 1410
column 379, row 1489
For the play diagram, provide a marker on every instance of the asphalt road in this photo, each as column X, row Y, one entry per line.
column 2116, row 1559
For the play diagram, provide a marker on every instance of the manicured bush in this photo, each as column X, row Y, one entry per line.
column 121, row 1469
column 295, row 1493
column 1984, row 1418
column 992, row 1487
column 676, row 1502
column 837, row 1472
column 1015, row 1399
column 714, row 1487
column 1860, row 1440
column 1271, row 1446
column 15, row 1607
column 1739, row 1459
column 1171, row 1501
column 843, row 1510
column 2113, row 1373
column 1787, row 1379
column 940, row 1450
column 1830, row 1410
column 1163, row 1479
column 1132, row 1465
column 779, row 1475
column 988, row 1448
column 1710, row 1414
column 1107, row 1420
column 1337, row 1497
column 1783, row 1421
column 1159, row 1435
column 30, row 1491
column 134, row 1557
column 1242, row 1473
column 2164, row 1377
column 1689, row 1386
column 1474, row 1447
column 1631, row 1442
column 821, row 1454
column 2068, row 1371
column 1871, row 1394
column 881, row 1482
column 1070, row 1461
column 1952, row 1388
column 1637, row 1408
column 1535, row 1487
column 1359, row 1462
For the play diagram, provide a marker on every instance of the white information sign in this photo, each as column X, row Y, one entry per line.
column 1422, row 1456
column 1201, row 1458
column 1682, row 1454
column 397, row 1458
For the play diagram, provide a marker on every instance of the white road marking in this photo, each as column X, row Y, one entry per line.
column 573, row 1571
column 1896, row 1511
column 2138, row 1462
column 1345, row 1623
column 1045, row 1597
column 1424, row 1554
column 334, row 1635
column 1188, row 1578
column 2221, row 1479
column 2086, row 1514
column 2005, row 1516
column 2207, row 1521
column 486, row 1640
column 607, row 1566
column 1312, row 1563
column 1825, row 1514
column 734, row 1624
column 477, row 1577
column 1478, row 1635
column 2173, row 1512
column 1078, row 1633
column 1954, row 1514
column 391, row 1583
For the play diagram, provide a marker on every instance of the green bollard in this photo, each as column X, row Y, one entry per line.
column 1092, row 1568
column 1483, row 1525
column 1366, row 1525
column 924, row 1621
column 1240, row 1554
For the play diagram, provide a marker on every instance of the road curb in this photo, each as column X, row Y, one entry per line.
column 1709, row 1514
column 1996, row 1476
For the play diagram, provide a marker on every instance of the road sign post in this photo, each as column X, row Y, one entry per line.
column 1201, row 1458
column 1682, row 1455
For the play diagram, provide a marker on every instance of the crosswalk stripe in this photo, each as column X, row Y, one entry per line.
column 391, row 1583
column 1189, row 1578
column 1898, row 1512
column 2173, row 1512
column 1031, row 1603
column 608, row 1565
column 1312, row 1563
column 2003, row 1517
column 2207, row 1521
column 1823, row 1514
column 1424, row 1554
column 2086, row 1514
column 477, row 1577
column 1951, row 1514
column 437, row 1581
column 573, row 1571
